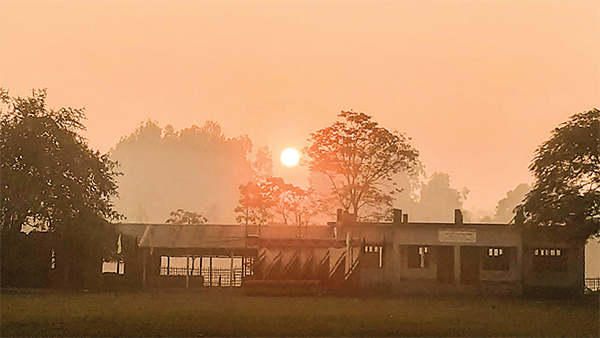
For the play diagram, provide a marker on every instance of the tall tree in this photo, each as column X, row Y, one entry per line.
column 359, row 157
column 255, row 203
column 566, row 191
column 52, row 181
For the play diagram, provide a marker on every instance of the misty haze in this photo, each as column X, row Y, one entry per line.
column 295, row 168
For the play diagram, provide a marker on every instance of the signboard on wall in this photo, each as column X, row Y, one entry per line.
column 450, row 235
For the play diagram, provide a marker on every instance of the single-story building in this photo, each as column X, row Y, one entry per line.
column 397, row 257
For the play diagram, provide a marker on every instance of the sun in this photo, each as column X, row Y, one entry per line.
column 290, row 157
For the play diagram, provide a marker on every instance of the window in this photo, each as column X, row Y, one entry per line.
column 117, row 267
column 495, row 252
column 549, row 259
column 417, row 257
column 173, row 266
column 547, row 252
column 53, row 260
column 496, row 259
column 248, row 266
column 371, row 248
column 374, row 255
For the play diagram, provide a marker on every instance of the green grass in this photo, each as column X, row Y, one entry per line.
column 229, row 313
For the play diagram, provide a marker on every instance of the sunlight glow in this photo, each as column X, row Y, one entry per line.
column 290, row 157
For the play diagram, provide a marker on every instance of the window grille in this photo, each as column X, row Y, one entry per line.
column 418, row 257
column 497, row 259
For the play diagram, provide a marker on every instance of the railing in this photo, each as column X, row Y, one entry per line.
column 177, row 271
column 592, row 284
column 220, row 276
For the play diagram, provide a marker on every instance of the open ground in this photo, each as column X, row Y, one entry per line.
column 230, row 313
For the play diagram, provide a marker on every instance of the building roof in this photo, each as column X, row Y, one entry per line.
column 131, row 229
column 219, row 236
column 194, row 236
column 289, row 231
column 213, row 236
column 419, row 224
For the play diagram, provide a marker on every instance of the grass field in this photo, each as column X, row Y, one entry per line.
column 229, row 313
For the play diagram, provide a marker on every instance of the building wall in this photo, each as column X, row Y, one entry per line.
column 401, row 240
column 405, row 272
column 457, row 256
column 568, row 275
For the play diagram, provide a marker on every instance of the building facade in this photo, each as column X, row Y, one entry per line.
column 393, row 257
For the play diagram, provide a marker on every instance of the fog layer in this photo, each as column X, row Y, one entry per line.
column 196, row 169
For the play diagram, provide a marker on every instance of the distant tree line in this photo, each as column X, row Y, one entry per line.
column 197, row 169
column 192, row 169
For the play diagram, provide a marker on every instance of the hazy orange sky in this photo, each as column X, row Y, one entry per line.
column 478, row 85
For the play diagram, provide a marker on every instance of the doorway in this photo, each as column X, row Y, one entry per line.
column 469, row 265
column 445, row 264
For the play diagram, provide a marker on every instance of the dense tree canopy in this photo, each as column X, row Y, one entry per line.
column 566, row 191
column 359, row 157
column 255, row 203
column 197, row 168
column 52, row 181
column 293, row 205
column 272, row 200
column 49, row 175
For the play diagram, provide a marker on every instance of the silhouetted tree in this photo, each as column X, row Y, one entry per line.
column 358, row 157
column 255, row 203
column 186, row 217
column 272, row 200
column 566, row 191
column 53, row 182
column 294, row 205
